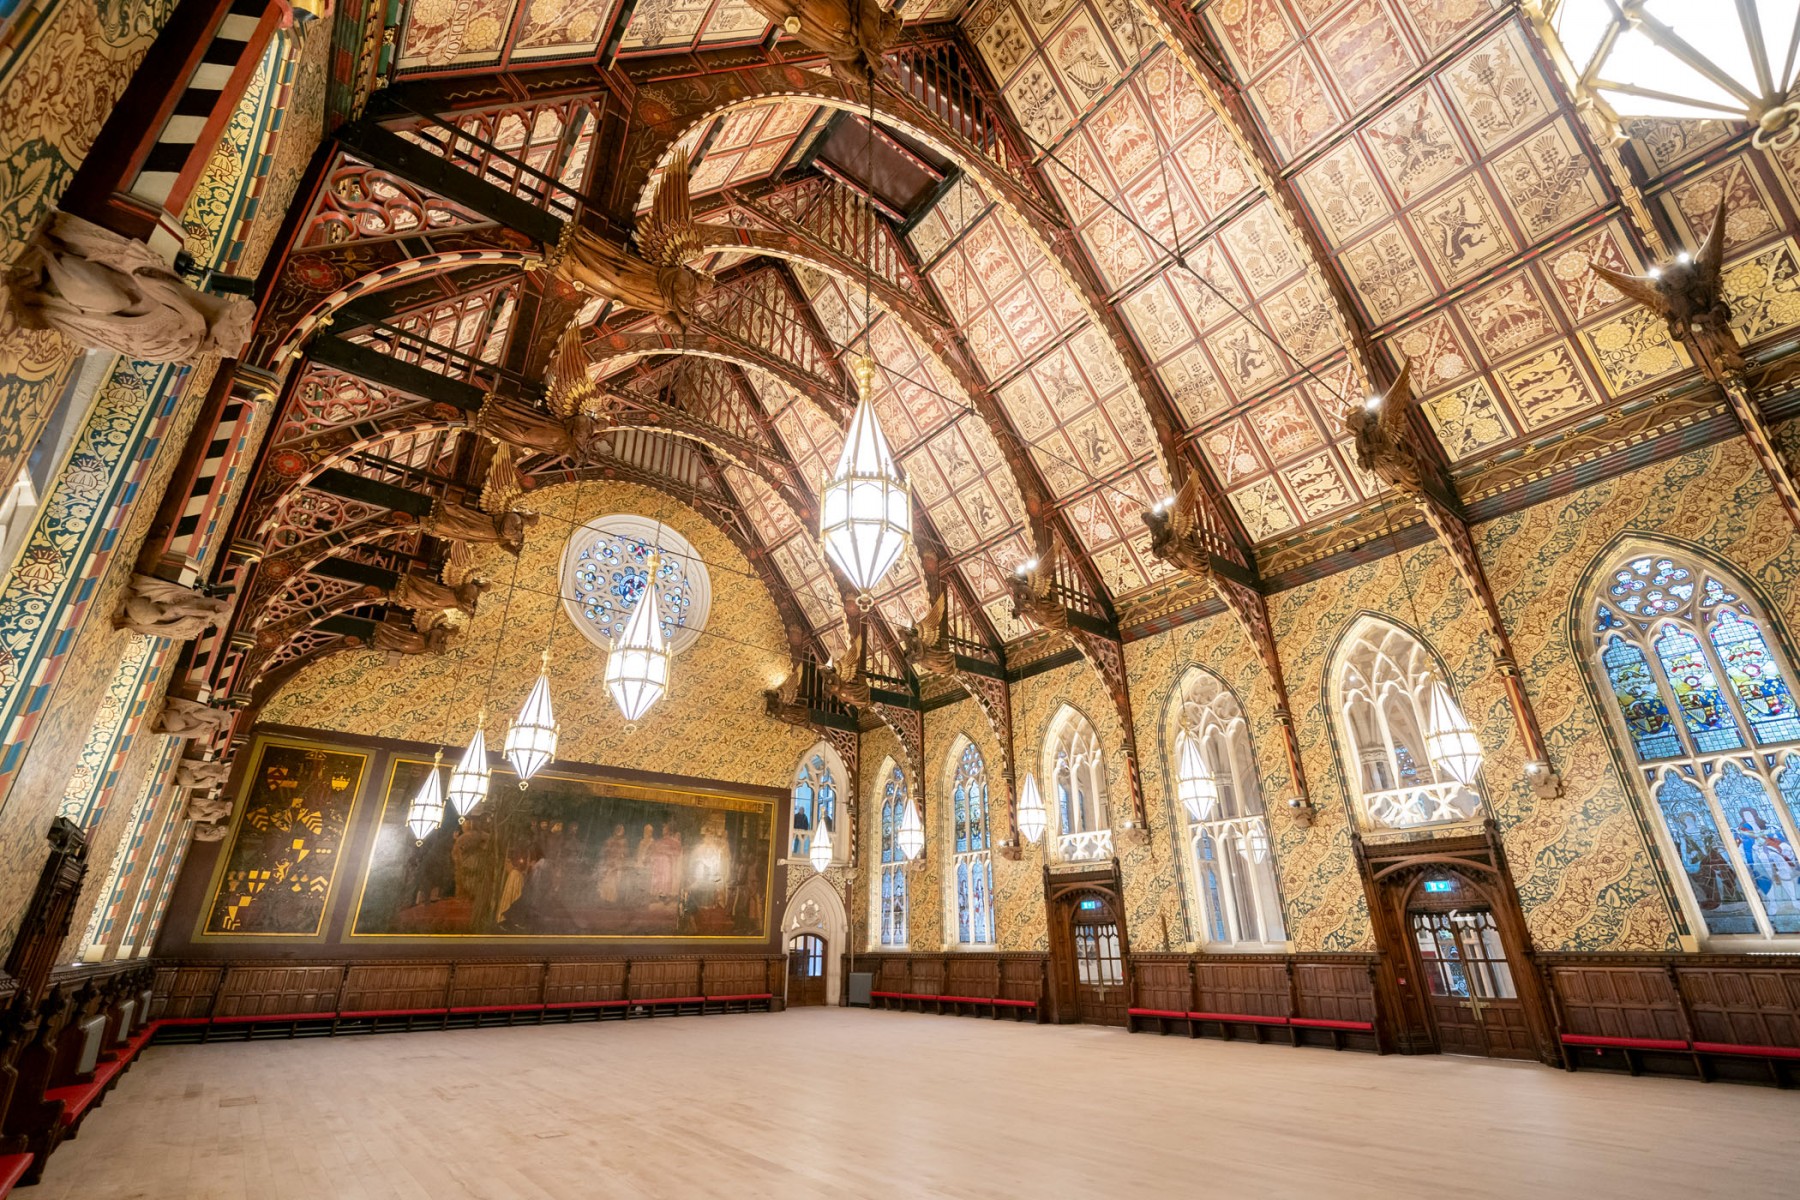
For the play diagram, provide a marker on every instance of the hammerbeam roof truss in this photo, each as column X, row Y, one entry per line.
column 1181, row 241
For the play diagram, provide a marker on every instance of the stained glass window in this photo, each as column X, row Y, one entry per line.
column 1667, row 630
column 893, row 861
column 1077, row 772
column 974, row 860
column 815, row 800
column 606, row 567
column 1236, row 901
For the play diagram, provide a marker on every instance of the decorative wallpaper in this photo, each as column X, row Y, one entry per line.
column 710, row 725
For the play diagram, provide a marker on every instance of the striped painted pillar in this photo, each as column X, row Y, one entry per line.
column 129, row 863
column 159, row 882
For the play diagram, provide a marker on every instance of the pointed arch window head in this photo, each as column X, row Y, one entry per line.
column 971, row 878
column 1233, row 898
column 1076, row 767
column 815, row 796
column 1696, row 685
column 892, row 899
column 1415, row 754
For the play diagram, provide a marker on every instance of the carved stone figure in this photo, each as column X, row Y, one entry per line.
column 208, row 808
column 852, row 34
column 424, row 595
column 200, row 774
column 460, row 523
column 211, row 832
column 1384, row 444
column 1175, row 532
column 1689, row 295
column 658, row 280
column 189, row 718
column 158, row 608
column 102, row 290
column 1032, row 598
column 540, row 432
column 398, row 639
column 924, row 646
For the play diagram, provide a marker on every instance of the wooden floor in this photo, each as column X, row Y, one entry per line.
column 848, row 1103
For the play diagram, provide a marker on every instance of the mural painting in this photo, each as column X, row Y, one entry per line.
column 284, row 852
column 572, row 857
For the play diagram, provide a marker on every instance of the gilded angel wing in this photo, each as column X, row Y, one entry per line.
column 1711, row 255
column 1394, row 404
column 1637, row 287
column 1045, row 574
column 667, row 233
column 1185, row 514
column 931, row 629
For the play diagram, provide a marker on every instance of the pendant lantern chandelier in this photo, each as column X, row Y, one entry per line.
column 1449, row 739
column 911, row 834
column 1685, row 59
column 531, row 739
column 819, row 852
column 1253, row 842
column 1194, row 784
column 865, row 511
column 427, row 811
column 1033, row 820
column 469, row 782
column 637, row 667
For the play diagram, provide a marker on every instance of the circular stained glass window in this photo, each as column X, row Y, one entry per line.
column 606, row 567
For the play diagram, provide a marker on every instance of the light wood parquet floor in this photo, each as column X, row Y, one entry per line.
column 848, row 1103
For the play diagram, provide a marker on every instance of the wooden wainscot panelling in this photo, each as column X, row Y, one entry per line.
column 263, row 991
column 396, row 987
column 663, row 979
column 584, row 982
column 1301, row 1000
column 186, row 991
column 489, row 985
column 989, row 985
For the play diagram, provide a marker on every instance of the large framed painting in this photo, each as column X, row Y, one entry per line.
column 296, row 804
column 572, row 857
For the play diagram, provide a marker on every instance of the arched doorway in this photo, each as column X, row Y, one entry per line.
column 1456, row 958
column 1087, row 950
column 815, row 911
column 806, row 971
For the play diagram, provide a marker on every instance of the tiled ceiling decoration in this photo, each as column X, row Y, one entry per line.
column 442, row 35
column 746, row 145
column 665, row 25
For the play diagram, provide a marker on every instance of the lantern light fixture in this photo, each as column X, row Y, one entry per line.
column 531, row 739
column 427, row 811
column 469, row 781
column 911, row 834
column 1195, row 786
column 865, row 508
column 1033, row 820
column 819, row 852
column 637, row 667
column 1450, row 741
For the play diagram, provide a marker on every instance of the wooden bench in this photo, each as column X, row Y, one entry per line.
column 995, row 1005
column 12, row 1169
column 1259, row 1022
column 1631, row 1050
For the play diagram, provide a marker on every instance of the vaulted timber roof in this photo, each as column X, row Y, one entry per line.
column 1118, row 242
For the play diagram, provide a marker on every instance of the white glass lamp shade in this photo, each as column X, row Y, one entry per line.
column 1195, row 786
column 469, row 782
column 531, row 739
column 819, row 853
column 1682, row 58
column 637, row 668
column 1258, row 842
column 1033, row 819
column 911, row 834
column 1450, row 741
column 427, row 811
column 865, row 512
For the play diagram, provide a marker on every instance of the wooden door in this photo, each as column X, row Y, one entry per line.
column 1099, row 966
column 1469, row 983
column 806, row 971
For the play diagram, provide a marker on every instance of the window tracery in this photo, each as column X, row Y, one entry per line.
column 606, row 566
column 893, row 898
column 1700, row 691
column 1077, row 773
column 973, row 877
column 815, row 802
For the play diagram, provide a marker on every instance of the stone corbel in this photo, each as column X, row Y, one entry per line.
column 158, row 608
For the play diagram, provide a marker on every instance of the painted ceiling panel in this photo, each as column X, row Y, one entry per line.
column 676, row 24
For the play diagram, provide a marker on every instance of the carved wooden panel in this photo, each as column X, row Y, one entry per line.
column 577, row 982
column 1253, row 988
column 185, row 991
column 396, row 985
column 1748, row 1005
column 893, row 975
column 664, row 978
column 734, row 976
column 476, row 984
column 1022, row 977
column 1621, row 1001
column 969, row 976
column 1335, row 991
column 1162, row 982
column 928, row 976
column 248, row 991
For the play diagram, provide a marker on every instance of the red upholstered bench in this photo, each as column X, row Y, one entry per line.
column 1323, row 1023
column 257, row 1018
column 1237, row 1018
column 495, row 1008
column 77, row 1098
column 374, row 1013
column 1167, row 1014
column 745, row 996
column 12, row 1169
column 1746, row 1051
column 561, row 1004
column 1015, row 1003
column 1598, row 1042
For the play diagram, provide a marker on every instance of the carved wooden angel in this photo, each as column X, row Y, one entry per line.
column 658, row 280
column 1383, row 439
column 1689, row 295
column 1174, row 532
column 398, row 639
column 158, row 608
column 851, row 34
column 924, row 645
column 460, row 523
column 105, row 291
column 422, row 594
column 846, row 683
column 1032, row 598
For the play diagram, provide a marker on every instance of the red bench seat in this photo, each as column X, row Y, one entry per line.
column 77, row 1098
column 1747, row 1051
column 1244, row 1018
column 12, row 1169
column 1327, row 1023
column 1622, row 1043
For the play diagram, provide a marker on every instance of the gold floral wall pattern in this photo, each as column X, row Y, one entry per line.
column 711, row 723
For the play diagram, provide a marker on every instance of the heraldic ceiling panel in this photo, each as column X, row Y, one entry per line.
column 1166, row 304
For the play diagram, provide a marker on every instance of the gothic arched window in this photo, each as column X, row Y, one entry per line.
column 1218, row 797
column 972, row 874
column 1701, row 694
column 815, row 800
column 1386, row 682
column 893, row 862
column 1076, row 768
